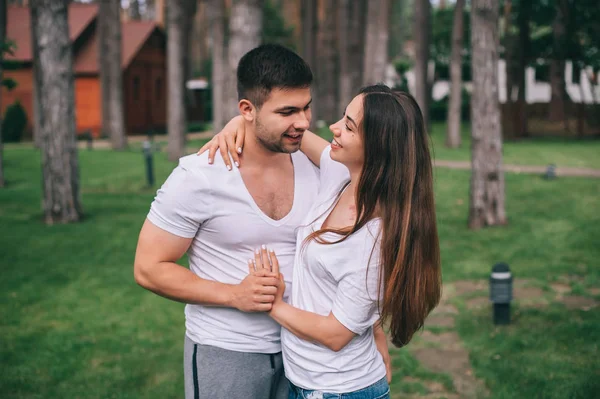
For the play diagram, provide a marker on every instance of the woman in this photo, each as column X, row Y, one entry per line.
column 369, row 250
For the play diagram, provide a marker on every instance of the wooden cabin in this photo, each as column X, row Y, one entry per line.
column 143, row 64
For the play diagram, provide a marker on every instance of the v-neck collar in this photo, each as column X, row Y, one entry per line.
column 259, row 211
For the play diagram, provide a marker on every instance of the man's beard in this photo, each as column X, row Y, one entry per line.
column 270, row 142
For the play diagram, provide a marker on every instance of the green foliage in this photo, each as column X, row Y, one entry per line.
column 441, row 43
column 542, row 71
column 581, row 42
column 403, row 65
column 438, row 110
column 8, row 47
column 275, row 29
column 14, row 123
column 442, row 70
column 441, row 36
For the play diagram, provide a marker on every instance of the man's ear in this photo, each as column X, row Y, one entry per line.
column 247, row 110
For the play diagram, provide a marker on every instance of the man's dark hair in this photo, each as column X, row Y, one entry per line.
column 268, row 67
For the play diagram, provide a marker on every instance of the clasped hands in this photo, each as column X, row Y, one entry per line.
column 263, row 288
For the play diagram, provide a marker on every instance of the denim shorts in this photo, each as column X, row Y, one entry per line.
column 379, row 390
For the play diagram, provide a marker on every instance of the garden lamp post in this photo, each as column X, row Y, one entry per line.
column 147, row 150
column 501, row 292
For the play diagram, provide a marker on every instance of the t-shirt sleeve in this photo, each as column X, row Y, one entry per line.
column 356, row 301
column 331, row 172
column 183, row 202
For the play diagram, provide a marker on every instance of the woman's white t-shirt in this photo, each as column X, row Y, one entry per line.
column 341, row 278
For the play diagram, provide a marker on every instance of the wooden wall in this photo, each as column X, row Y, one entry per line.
column 88, row 105
column 145, row 86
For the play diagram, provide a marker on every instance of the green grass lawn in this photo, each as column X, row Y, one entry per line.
column 75, row 325
column 566, row 152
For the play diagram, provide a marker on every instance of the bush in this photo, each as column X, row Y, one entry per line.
column 438, row 110
column 14, row 123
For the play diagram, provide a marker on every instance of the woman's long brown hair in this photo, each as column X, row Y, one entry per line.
column 396, row 184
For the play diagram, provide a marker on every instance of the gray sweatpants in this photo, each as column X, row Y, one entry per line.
column 216, row 373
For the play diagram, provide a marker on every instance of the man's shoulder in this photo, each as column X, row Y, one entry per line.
column 198, row 165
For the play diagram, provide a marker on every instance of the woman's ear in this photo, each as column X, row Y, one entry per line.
column 247, row 110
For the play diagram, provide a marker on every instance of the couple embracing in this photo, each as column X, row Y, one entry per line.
column 303, row 250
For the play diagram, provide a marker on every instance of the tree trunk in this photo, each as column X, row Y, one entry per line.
column 455, row 105
column 188, row 26
column 3, row 11
column 486, row 206
column 352, row 20
column 524, row 51
column 245, row 30
column 509, row 52
column 291, row 11
column 510, row 62
column 376, row 44
column 60, row 168
column 345, row 82
column 176, row 70
column 216, row 15
column 581, row 108
column 309, row 32
column 37, row 106
column 159, row 12
column 356, row 43
column 111, row 74
column 556, row 110
column 328, row 68
column 200, row 32
column 309, row 46
column 422, row 32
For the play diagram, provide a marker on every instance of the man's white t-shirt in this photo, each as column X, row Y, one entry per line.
column 213, row 205
column 341, row 278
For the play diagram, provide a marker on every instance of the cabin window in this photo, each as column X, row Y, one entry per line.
column 136, row 88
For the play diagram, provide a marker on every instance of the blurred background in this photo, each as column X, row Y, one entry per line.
column 99, row 100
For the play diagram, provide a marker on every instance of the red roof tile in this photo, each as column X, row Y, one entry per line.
column 19, row 27
column 134, row 34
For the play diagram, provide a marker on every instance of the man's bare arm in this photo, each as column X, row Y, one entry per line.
column 155, row 269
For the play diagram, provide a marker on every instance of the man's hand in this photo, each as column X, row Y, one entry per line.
column 257, row 291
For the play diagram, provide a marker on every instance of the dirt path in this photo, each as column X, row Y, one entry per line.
column 442, row 350
column 527, row 169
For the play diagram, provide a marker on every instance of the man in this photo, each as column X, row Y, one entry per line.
column 232, row 348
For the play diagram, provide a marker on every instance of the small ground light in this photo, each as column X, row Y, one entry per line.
column 501, row 292
column 550, row 172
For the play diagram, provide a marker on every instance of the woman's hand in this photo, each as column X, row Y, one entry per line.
column 228, row 141
column 265, row 260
